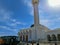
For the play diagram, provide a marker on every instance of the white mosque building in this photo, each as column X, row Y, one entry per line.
column 38, row 32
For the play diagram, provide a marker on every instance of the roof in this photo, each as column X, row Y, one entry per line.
column 57, row 29
column 41, row 27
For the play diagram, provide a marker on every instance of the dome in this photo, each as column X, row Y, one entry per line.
column 41, row 27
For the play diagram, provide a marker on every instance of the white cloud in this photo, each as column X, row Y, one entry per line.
column 48, row 16
column 59, row 18
column 5, row 15
column 15, row 23
column 8, row 28
column 21, row 23
column 13, row 20
column 45, row 22
column 7, row 34
column 29, row 4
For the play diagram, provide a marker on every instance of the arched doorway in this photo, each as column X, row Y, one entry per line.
column 58, row 36
column 20, row 37
column 26, row 38
column 48, row 37
column 23, row 37
column 54, row 37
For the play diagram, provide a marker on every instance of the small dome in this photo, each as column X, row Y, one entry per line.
column 41, row 27
column 32, row 25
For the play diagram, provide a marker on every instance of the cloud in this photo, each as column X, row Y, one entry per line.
column 52, row 24
column 47, row 15
column 7, row 34
column 15, row 23
column 8, row 31
column 44, row 21
column 29, row 4
column 9, row 23
column 5, row 15
column 5, row 18
column 13, row 20
column 8, row 28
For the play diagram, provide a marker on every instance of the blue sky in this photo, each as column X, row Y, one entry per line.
column 18, row 14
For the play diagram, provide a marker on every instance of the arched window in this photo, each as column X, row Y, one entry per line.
column 58, row 36
column 23, row 37
column 26, row 38
column 27, row 35
column 20, row 37
column 53, row 37
column 48, row 37
column 30, row 33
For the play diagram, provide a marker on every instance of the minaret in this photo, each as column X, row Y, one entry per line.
column 36, row 13
column 36, row 16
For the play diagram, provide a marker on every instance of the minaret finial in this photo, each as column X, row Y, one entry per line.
column 35, row 1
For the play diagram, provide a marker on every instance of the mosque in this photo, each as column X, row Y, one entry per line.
column 38, row 32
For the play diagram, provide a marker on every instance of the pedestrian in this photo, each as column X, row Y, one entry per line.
column 37, row 43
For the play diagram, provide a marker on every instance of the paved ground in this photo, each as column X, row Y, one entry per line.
column 40, row 44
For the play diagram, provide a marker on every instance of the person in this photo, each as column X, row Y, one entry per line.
column 55, row 43
column 37, row 43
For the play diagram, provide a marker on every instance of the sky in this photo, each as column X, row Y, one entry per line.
column 18, row 14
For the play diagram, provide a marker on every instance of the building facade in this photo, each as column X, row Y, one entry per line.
column 44, row 34
column 38, row 32
column 30, row 34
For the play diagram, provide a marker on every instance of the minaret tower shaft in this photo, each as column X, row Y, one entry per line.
column 36, row 13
